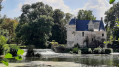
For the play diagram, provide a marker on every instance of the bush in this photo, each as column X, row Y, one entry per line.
column 6, row 48
column 3, row 41
column 97, row 51
column 108, row 50
column 84, row 50
column 13, row 52
column 75, row 50
column 13, row 49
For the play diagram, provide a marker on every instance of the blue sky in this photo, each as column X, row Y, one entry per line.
column 12, row 8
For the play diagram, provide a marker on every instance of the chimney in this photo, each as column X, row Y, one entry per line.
column 101, row 18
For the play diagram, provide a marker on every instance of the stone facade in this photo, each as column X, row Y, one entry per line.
column 78, row 37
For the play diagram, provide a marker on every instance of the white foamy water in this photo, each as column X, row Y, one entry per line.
column 50, row 53
column 114, row 53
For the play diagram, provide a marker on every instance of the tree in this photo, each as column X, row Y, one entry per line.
column 85, row 15
column 9, row 25
column 68, row 16
column 110, row 18
column 35, row 24
column 59, row 29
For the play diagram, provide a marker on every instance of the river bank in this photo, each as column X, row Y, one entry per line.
column 43, row 64
column 48, row 64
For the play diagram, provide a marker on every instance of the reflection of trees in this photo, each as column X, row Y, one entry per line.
column 98, row 61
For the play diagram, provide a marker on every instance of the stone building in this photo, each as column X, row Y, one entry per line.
column 78, row 31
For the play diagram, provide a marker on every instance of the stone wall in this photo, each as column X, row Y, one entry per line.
column 74, row 37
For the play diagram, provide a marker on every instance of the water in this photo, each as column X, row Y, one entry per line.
column 98, row 60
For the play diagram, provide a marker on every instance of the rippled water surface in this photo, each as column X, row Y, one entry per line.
column 104, row 60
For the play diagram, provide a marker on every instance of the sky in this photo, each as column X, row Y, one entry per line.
column 12, row 8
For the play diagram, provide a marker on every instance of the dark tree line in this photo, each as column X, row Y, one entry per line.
column 39, row 23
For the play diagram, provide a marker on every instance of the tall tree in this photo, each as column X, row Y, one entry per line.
column 10, row 25
column 59, row 29
column 68, row 17
column 111, row 16
column 85, row 15
column 35, row 24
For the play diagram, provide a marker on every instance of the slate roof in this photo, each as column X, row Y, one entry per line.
column 82, row 25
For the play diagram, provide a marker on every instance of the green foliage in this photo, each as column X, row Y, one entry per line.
column 36, row 19
column 6, row 48
column 111, row 21
column 18, row 58
column 14, row 46
column 8, row 27
column 20, row 52
column 111, row 1
column 8, row 55
column 84, row 50
column 75, row 50
column 59, row 29
column 3, row 40
column 54, row 43
column 5, row 63
column 85, row 15
column 106, row 42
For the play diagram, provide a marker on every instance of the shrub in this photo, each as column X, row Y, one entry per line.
column 108, row 50
column 84, row 50
column 97, row 51
column 13, row 52
column 6, row 48
column 75, row 50
column 3, row 41
column 13, row 49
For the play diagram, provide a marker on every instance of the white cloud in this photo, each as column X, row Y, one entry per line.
column 56, row 4
column 97, row 6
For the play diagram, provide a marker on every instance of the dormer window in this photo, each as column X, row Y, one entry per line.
column 91, row 26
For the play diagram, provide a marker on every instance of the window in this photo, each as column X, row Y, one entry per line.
column 82, row 33
column 92, row 39
column 102, row 35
